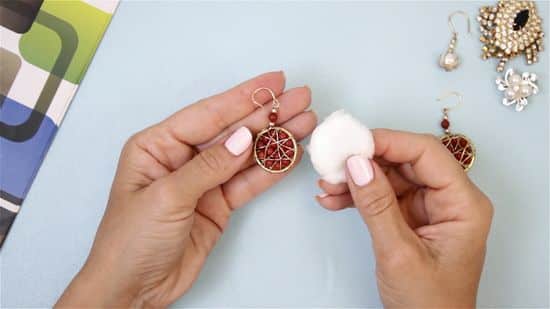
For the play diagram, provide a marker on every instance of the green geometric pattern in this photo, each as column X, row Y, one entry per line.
column 41, row 46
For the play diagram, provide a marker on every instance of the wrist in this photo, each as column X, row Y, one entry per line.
column 97, row 287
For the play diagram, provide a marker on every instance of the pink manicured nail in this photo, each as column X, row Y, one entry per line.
column 360, row 170
column 322, row 195
column 239, row 141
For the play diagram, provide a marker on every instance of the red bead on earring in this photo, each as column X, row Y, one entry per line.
column 275, row 149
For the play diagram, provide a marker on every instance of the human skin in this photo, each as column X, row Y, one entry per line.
column 176, row 186
column 179, row 181
column 428, row 221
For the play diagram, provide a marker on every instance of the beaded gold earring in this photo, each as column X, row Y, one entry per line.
column 460, row 146
column 510, row 28
column 449, row 60
column 275, row 148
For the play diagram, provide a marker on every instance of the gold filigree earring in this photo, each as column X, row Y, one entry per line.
column 508, row 29
column 449, row 60
column 460, row 146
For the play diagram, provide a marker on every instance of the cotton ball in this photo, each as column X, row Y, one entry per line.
column 337, row 138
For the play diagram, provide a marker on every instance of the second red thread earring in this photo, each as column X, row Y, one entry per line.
column 275, row 148
column 459, row 145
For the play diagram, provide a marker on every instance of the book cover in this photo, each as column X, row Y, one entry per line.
column 45, row 49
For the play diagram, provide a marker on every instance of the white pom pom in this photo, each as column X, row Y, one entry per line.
column 337, row 138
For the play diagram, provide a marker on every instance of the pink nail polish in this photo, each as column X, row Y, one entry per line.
column 239, row 141
column 360, row 170
column 322, row 195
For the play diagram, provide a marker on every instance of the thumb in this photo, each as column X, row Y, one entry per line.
column 377, row 203
column 209, row 168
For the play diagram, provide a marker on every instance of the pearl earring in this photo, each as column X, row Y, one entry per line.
column 449, row 60
column 517, row 88
column 460, row 146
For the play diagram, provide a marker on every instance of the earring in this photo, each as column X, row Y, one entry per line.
column 517, row 88
column 449, row 60
column 460, row 146
column 508, row 29
column 275, row 148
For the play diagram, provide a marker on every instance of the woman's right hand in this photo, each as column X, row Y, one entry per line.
column 428, row 222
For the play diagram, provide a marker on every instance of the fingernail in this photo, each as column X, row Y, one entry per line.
column 322, row 195
column 360, row 170
column 239, row 141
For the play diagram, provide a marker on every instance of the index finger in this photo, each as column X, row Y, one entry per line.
column 432, row 163
column 203, row 120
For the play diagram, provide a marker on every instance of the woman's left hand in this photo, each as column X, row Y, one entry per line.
column 176, row 186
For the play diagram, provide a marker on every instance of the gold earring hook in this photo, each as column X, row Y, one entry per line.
column 448, row 94
column 452, row 26
column 275, row 101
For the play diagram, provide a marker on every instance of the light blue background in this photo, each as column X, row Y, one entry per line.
column 377, row 60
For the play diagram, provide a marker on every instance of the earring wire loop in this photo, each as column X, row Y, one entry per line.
column 448, row 94
column 452, row 26
column 275, row 101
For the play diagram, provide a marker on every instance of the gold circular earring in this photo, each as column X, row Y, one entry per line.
column 449, row 60
column 275, row 149
column 460, row 146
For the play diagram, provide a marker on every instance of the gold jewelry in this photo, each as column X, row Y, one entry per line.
column 449, row 60
column 275, row 149
column 460, row 146
column 509, row 29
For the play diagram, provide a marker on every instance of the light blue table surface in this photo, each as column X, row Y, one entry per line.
column 376, row 60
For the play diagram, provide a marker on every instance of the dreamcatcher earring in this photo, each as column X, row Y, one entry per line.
column 275, row 148
column 459, row 145
column 450, row 60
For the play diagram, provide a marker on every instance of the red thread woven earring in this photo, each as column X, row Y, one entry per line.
column 460, row 146
column 275, row 148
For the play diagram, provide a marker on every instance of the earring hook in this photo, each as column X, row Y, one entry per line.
column 452, row 26
column 448, row 94
column 275, row 101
